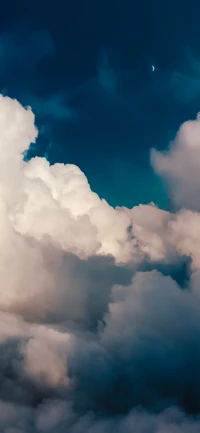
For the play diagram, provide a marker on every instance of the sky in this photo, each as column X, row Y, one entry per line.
column 99, row 217
column 85, row 68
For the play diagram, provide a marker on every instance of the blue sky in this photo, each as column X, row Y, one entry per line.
column 85, row 68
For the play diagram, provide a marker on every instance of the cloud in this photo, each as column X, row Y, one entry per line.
column 179, row 166
column 51, row 107
column 106, row 76
column 99, row 306
column 185, row 83
column 24, row 54
column 151, row 319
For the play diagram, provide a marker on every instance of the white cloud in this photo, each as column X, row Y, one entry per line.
column 179, row 166
column 78, row 338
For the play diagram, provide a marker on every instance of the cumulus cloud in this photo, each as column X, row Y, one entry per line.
column 179, row 166
column 99, row 321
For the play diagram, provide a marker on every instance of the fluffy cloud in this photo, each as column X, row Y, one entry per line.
column 179, row 166
column 96, row 333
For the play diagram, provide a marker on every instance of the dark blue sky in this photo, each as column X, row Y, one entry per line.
column 85, row 68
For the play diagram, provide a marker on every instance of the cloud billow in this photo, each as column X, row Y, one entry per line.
column 99, row 306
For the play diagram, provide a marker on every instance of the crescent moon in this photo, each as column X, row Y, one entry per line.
column 153, row 68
